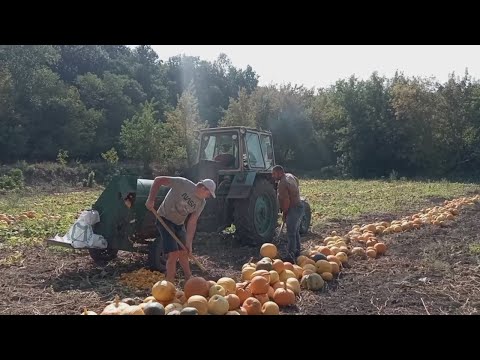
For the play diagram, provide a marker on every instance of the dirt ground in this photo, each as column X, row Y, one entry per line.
column 432, row 270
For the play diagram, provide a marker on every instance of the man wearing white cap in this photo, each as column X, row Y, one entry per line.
column 183, row 198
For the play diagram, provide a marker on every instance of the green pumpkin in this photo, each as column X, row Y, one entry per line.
column 312, row 282
column 318, row 256
column 264, row 265
column 154, row 308
column 189, row 311
column 174, row 312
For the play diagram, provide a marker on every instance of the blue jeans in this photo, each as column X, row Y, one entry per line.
column 294, row 219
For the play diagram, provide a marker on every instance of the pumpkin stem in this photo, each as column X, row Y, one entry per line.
column 84, row 311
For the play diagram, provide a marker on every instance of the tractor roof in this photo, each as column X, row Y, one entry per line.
column 226, row 128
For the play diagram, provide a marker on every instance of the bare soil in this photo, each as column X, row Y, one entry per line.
column 432, row 270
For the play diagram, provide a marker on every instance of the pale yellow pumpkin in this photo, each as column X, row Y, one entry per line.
column 293, row 285
column 228, row 284
column 216, row 290
column 268, row 250
column 270, row 308
column 218, row 305
column 198, row 302
column 164, row 291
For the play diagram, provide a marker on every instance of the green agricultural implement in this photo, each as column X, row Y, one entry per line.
column 238, row 159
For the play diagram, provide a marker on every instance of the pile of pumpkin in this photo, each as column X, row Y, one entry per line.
column 201, row 297
column 271, row 283
column 8, row 219
column 265, row 287
column 142, row 278
column 366, row 236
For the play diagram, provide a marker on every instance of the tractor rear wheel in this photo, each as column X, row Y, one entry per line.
column 255, row 218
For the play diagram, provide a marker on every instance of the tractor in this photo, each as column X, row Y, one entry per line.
column 239, row 160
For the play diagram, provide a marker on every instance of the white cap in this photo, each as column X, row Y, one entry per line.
column 210, row 185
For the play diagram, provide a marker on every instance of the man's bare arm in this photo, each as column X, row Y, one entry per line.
column 191, row 228
column 159, row 181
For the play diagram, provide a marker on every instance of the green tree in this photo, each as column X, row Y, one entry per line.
column 183, row 121
column 143, row 136
column 240, row 112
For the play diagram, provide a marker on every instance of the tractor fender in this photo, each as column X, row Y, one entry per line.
column 242, row 185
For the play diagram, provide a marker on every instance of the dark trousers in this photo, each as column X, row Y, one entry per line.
column 169, row 243
column 294, row 219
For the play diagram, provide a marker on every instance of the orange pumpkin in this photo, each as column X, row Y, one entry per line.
column 325, row 251
column 270, row 292
column 327, row 276
column 278, row 265
column 301, row 259
column 233, row 301
column 288, row 266
column 211, row 283
column 307, row 272
column 278, row 285
column 263, row 298
column 333, row 258
column 284, row 296
column 260, row 285
column 242, row 311
column 380, row 248
column 308, row 261
column 252, row 306
column 371, row 253
column 243, row 292
column 371, row 242
column 196, row 286
column 335, row 268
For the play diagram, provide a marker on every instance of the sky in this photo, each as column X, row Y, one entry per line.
column 322, row 65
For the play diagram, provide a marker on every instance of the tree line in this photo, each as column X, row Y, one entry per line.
column 86, row 100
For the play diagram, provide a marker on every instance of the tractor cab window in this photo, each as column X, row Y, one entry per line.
column 221, row 148
column 208, row 147
column 255, row 156
column 267, row 150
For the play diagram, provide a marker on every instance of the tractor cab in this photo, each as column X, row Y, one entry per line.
column 236, row 148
